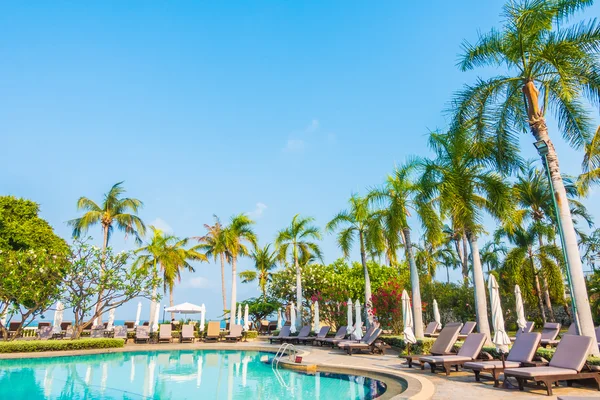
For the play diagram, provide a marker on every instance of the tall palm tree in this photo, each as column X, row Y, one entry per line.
column 114, row 211
column 265, row 261
column 591, row 164
column 461, row 186
column 550, row 66
column 400, row 197
column 492, row 253
column 361, row 222
column 238, row 235
column 459, row 240
column 591, row 248
column 298, row 241
column 214, row 245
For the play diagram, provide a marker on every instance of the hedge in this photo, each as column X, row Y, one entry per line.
column 28, row 346
column 251, row 334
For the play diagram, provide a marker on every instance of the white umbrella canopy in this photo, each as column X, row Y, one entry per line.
column 292, row 319
column 202, row 317
column 246, row 319
column 279, row 320
column 138, row 314
column 58, row 317
column 436, row 314
column 501, row 339
column 316, row 322
column 185, row 308
column 111, row 320
column 357, row 333
column 349, row 316
column 407, row 317
column 154, row 327
column 521, row 321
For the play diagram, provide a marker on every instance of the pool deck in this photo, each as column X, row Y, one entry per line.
column 422, row 385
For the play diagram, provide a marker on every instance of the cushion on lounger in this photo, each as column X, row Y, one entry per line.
column 431, row 328
column 530, row 372
column 440, row 359
column 444, row 342
column 472, row 346
column 487, row 365
column 468, row 327
column 525, row 347
column 550, row 331
column 571, row 352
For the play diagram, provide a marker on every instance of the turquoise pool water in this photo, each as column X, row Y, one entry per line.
column 202, row 374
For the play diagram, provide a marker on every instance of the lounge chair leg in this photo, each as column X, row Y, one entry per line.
column 456, row 367
column 447, row 369
column 495, row 375
column 569, row 383
column 477, row 379
column 520, row 382
column 432, row 365
column 597, row 378
column 548, row 387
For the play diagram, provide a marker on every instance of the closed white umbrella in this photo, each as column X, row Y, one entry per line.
column 202, row 318
column 239, row 314
column 521, row 321
column 357, row 334
column 279, row 320
column 436, row 314
column 501, row 339
column 154, row 326
column 246, row 319
column 349, row 317
column 407, row 317
column 58, row 317
column 138, row 314
column 316, row 322
column 111, row 320
column 292, row 319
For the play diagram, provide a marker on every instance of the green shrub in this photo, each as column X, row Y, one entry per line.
column 423, row 346
column 251, row 334
column 22, row 346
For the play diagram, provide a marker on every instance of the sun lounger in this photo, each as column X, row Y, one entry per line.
column 164, row 333
column 43, row 324
column 340, row 334
column 65, row 325
column 368, row 343
column 368, row 333
column 130, row 325
column 549, row 333
column 97, row 333
column 442, row 345
column 263, row 327
column 321, row 335
column 284, row 332
column 142, row 334
column 568, row 363
column 431, row 329
column 187, row 334
column 571, row 331
column 44, row 333
column 69, row 332
column 12, row 328
column 120, row 332
column 521, row 353
column 213, row 331
column 466, row 330
column 304, row 332
column 528, row 328
column 235, row 334
column 468, row 352
column 437, row 334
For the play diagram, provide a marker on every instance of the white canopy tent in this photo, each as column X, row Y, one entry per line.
column 184, row 308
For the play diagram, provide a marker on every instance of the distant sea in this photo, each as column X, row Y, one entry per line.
column 117, row 321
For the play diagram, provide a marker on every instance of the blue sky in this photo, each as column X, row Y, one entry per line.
column 270, row 108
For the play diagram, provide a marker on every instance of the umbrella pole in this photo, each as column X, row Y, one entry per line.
column 505, row 383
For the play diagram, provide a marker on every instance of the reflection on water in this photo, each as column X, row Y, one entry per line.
column 176, row 374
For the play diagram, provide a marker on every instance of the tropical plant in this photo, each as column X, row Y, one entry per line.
column 298, row 242
column 591, row 164
column 550, row 66
column 361, row 222
column 114, row 211
column 590, row 245
column 214, row 245
column 462, row 187
column 459, row 241
column 265, row 261
column 492, row 253
column 238, row 235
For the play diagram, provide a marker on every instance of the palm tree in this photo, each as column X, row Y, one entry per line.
column 298, row 242
column 400, row 197
column 458, row 182
column 591, row 164
column 591, row 248
column 238, row 235
column 491, row 254
column 114, row 211
column 459, row 239
column 551, row 66
column 362, row 222
column 214, row 245
column 265, row 261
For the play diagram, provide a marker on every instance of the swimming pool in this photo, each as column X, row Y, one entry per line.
column 184, row 374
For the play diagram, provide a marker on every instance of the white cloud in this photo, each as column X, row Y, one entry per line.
column 258, row 210
column 161, row 224
column 312, row 135
column 294, row 145
column 313, row 126
column 197, row 283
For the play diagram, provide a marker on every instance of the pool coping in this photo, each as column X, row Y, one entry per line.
column 418, row 387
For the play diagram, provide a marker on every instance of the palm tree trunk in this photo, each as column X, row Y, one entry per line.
column 546, row 288
column 232, row 310
column 223, row 289
column 447, row 274
column 538, row 290
column 102, row 265
column 539, row 129
column 152, row 303
column 298, row 289
column 414, row 282
column 171, row 302
column 480, row 295
column 465, row 261
column 368, row 303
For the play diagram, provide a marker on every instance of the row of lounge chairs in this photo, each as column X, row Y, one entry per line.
column 567, row 364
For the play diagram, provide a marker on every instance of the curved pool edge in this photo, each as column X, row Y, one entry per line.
column 418, row 387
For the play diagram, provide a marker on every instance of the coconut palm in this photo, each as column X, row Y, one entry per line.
column 238, row 235
column 462, row 187
column 214, row 245
column 265, row 261
column 591, row 164
column 400, row 199
column 298, row 242
column 459, row 240
column 590, row 245
column 550, row 66
column 115, row 211
column 492, row 253
column 364, row 223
